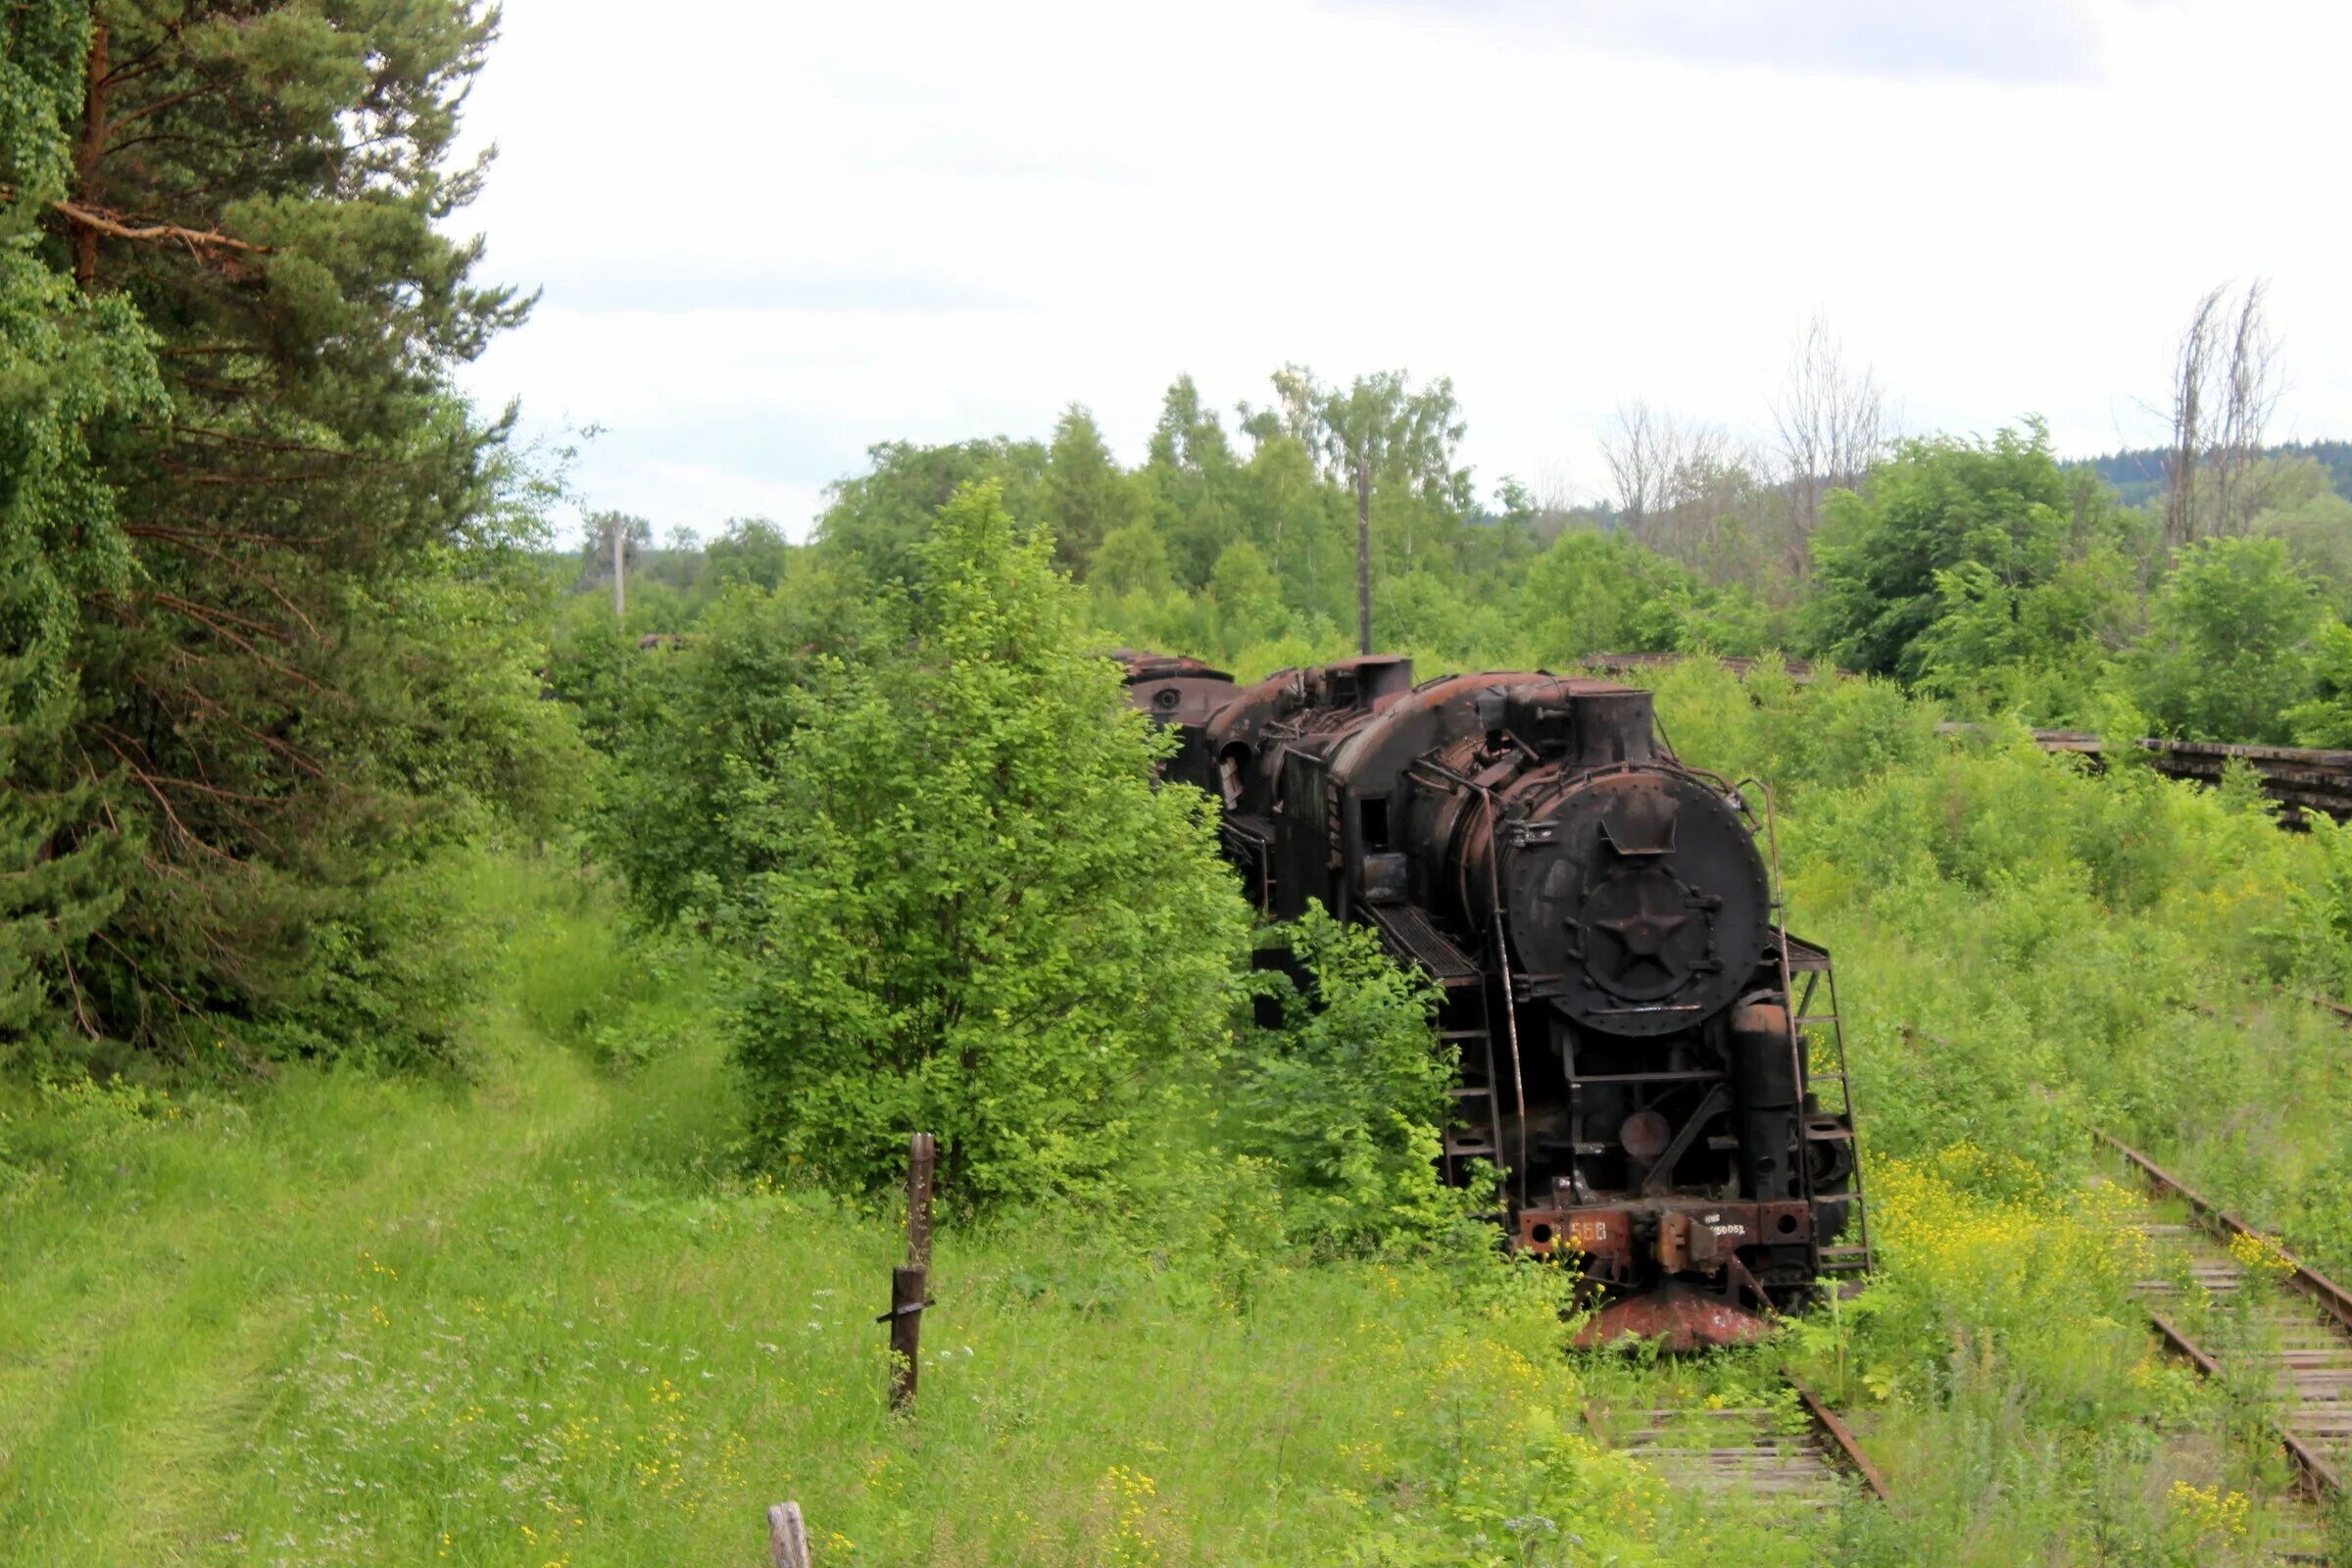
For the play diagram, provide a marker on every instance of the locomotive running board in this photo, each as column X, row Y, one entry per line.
column 1803, row 956
column 1411, row 935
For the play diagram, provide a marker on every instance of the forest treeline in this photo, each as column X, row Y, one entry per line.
column 1981, row 569
column 2141, row 473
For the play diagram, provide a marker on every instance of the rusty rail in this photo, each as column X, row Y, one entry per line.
column 2319, row 1479
column 1728, row 1450
column 2319, row 1476
column 1842, row 1436
column 2293, row 777
column 2331, row 1296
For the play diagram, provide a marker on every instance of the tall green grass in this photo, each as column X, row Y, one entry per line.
column 536, row 1317
column 536, row 1320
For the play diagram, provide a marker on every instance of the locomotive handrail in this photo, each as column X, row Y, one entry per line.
column 1779, row 908
column 1445, row 774
column 1502, row 957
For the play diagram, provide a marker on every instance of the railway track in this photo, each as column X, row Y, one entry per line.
column 1762, row 1451
column 2286, row 1336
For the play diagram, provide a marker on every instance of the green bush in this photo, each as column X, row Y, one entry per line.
column 1348, row 1096
column 976, row 915
column 2229, row 648
column 694, row 732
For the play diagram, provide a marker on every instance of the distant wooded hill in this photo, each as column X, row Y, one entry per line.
column 2138, row 474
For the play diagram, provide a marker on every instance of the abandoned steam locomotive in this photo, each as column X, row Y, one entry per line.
column 1602, row 921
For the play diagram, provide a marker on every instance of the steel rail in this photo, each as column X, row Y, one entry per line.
column 1842, row 1436
column 2331, row 1296
column 1731, row 1443
column 2319, row 1476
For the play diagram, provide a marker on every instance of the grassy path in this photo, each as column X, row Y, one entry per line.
column 128, row 1371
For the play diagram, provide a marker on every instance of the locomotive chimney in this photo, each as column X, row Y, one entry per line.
column 1612, row 725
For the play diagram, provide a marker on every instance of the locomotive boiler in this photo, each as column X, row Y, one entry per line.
column 1650, row 1061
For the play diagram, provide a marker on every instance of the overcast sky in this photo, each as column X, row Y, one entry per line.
column 773, row 234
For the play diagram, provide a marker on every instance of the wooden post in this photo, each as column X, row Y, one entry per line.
column 907, row 1287
column 922, row 1156
column 787, row 1536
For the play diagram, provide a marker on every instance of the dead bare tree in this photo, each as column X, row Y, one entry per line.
column 1833, row 424
column 1655, row 462
column 1686, row 489
column 2253, row 397
column 2192, row 369
column 1636, row 467
column 1690, row 513
column 1557, row 500
column 1722, row 512
column 2230, row 359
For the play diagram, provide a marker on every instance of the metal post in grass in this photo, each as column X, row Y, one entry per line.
column 922, row 1158
column 909, row 1284
column 906, row 1319
column 787, row 1536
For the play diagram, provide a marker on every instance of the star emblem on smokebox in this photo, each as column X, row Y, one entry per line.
column 1658, row 938
column 1644, row 931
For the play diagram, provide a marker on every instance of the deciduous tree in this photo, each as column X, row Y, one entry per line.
column 1999, row 507
column 981, row 918
column 2228, row 647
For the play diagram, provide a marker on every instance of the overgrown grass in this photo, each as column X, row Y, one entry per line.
column 539, row 1319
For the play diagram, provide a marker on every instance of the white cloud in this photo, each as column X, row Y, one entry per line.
column 773, row 234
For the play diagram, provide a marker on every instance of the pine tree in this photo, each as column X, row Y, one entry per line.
column 67, row 364
column 263, row 705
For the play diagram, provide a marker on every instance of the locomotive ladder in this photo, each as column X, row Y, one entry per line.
column 1798, row 956
column 1463, row 1022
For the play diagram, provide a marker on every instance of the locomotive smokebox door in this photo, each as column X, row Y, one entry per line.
column 1638, row 894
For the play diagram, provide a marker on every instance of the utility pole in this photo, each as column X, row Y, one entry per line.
column 620, row 534
column 1363, row 552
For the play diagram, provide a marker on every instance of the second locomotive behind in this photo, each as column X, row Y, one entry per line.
column 1601, row 919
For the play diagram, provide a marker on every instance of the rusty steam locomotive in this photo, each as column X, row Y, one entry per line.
column 1602, row 921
